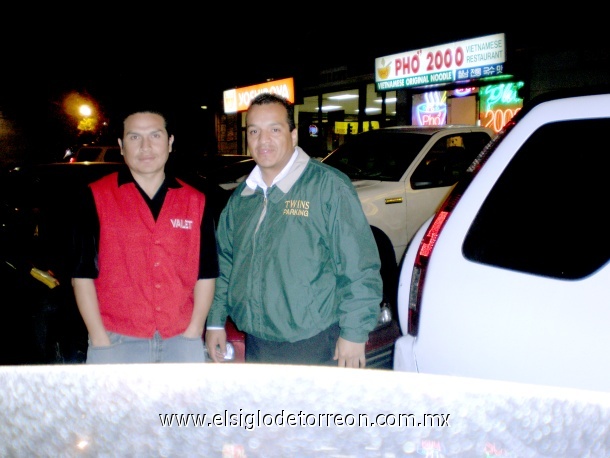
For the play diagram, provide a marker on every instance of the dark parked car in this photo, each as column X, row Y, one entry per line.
column 94, row 153
column 230, row 175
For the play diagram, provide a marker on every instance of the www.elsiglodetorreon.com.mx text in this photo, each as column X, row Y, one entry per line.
column 259, row 419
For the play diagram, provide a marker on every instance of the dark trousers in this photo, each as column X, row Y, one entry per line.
column 317, row 350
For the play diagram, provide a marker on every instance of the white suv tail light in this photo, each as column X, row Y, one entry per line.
column 427, row 243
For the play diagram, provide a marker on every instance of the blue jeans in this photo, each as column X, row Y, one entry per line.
column 126, row 349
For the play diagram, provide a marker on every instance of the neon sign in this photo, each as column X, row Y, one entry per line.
column 464, row 91
column 433, row 111
column 499, row 103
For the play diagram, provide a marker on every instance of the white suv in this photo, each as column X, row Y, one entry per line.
column 402, row 174
column 510, row 280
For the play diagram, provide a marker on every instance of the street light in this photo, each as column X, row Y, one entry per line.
column 85, row 110
column 87, row 123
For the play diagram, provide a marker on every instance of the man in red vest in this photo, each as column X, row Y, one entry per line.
column 145, row 255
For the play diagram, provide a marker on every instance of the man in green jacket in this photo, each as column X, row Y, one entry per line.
column 299, row 267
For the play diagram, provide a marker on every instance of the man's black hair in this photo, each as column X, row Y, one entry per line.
column 267, row 97
column 142, row 107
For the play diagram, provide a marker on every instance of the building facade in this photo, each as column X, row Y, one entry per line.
column 479, row 81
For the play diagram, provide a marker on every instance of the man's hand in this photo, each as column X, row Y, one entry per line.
column 350, row 354
column 216, row 343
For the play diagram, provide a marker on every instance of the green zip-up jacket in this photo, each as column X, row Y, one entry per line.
column 298, row 260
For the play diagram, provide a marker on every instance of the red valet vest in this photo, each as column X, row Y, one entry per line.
column 147, row 268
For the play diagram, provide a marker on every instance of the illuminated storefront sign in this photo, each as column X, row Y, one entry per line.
column 499, row 103
column 457, row 61
column 239, row 99
column 432, row 111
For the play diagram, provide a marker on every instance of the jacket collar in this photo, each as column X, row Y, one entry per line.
column 292, row 172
